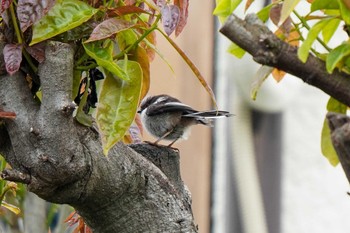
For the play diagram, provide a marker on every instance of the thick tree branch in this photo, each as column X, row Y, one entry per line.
column 62, row 161
column 254, row 37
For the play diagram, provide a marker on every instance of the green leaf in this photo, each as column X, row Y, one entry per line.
column 336, row 56
column 103, row 55
column 264, row 13
column 126, row 38
column 327, row 148
column 329, row 30
column 334, row 105
column 224, row 8
column 326, row 145
column 344, row 12
column 303, row 51
column 235, row 50
column 260, row 77
column 324, row 4
column 63, row 16
column 287, row 8
column 118, row 101
column 10, row 207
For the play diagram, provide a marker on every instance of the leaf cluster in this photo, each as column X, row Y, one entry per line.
column 113, row 38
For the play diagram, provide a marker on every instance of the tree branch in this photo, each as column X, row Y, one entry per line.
column 254, row 37
column 62, row 161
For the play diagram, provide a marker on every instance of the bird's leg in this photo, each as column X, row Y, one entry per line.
column 162, row 137
column 173, row 142
column 159, row 139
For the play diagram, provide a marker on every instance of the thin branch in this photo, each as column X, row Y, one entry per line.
column 254, row 37
column 16, row 176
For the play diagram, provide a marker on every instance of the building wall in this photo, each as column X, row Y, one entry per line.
column 197, row 42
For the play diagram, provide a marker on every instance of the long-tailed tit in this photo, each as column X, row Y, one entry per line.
column 167, row 118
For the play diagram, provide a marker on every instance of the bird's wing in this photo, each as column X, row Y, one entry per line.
column 170, row 107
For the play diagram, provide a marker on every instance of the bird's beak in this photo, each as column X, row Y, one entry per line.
column 139, row 111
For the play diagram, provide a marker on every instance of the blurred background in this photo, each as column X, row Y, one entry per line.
column 262, row 170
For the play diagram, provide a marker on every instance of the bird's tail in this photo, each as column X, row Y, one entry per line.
column 206, row 117
column 209, row 114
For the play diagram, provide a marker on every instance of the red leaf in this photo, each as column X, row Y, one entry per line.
column 109, row 28
column 125, row 10
column 4, row 5
column 170, row 18
column 31, row 11
column 6, row 18
column 275, row 14
column 183, row 6
column 37, row 51
column 248, row 4
column 7, row 115
column 12, row 57
column 70, row 217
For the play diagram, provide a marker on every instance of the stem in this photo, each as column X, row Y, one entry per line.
column 296, row 27
column 86, row 67
column 29, row 60
column 15, row 25
column 82, row 59
column 192, row 66
column 143, row 36
column 19, row 38
column 303, row 21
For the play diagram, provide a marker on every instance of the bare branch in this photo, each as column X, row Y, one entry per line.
column 16, row 176
column 254, row 37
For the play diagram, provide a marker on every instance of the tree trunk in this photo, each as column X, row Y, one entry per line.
column 62, row 161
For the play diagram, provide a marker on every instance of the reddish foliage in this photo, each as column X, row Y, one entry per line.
column 125, row 10
column 73, row 219
column 7, row 115
column 4, row 5
column 183, row 6
column 170, row 18
column 109, row 28
column 12, row 57
column 37, row 51
column 31, row 11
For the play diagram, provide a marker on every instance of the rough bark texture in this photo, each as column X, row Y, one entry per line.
column 254, row 37
column 62, row 161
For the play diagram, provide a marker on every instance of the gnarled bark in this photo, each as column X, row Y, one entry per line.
column 62, row 161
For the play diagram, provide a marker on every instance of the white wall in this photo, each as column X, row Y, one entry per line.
column 314, row 197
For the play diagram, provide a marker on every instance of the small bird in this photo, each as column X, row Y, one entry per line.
column 165, row 117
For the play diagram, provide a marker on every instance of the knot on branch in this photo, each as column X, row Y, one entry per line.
column 16, row 176
column 269, row 51
column 336, row 120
